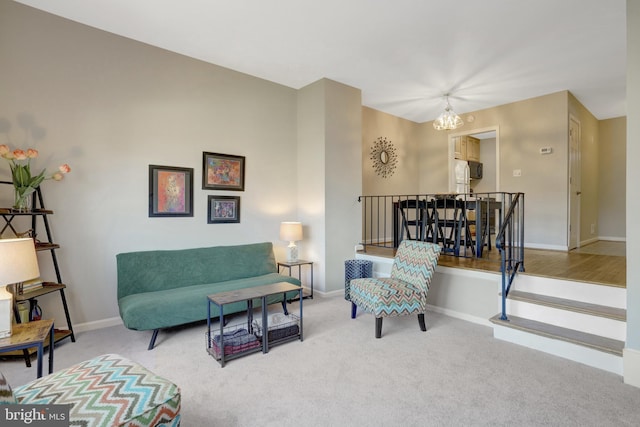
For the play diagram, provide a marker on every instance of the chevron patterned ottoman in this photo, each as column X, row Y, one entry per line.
column 108, row 390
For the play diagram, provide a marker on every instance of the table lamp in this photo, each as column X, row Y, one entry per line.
column 18, row 263
column 291, row 232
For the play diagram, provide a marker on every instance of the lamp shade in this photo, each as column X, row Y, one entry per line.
column 18, row 261
column 291, row 231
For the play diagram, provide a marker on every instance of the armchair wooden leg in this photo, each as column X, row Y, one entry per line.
column 378, row 327
column 423, row 326
column 353, row 310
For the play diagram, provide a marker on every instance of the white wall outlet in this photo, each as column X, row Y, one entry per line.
column 546, row 150
column 593, row 229
column 517, row 172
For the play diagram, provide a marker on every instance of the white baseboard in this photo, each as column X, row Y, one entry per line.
column 458, row 315
column 98, row 324
column 547, row 247
column 612, row 239
column 589, row 241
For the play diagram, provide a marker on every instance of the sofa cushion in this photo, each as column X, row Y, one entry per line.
column 108, row 390
column 172, row 307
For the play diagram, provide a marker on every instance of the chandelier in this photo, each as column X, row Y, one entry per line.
column 448, row 120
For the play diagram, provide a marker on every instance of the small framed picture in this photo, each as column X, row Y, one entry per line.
column 223, row 209
column 170, row 191
column 222, row 172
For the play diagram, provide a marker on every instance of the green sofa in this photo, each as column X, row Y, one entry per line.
column 166, row 288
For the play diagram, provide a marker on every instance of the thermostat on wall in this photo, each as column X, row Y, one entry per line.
column 545, row 150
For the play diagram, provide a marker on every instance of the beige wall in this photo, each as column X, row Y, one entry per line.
column 523, row 128
column 405, row 137
column 612, row 183
column 329, row 175
column 109, row 107
column 544, row 177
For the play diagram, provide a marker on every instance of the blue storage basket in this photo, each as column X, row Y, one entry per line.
column 355, row 269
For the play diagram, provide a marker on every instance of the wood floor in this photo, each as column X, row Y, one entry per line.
column 602, row 262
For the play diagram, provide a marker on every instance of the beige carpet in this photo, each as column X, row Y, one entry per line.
column 454, row 374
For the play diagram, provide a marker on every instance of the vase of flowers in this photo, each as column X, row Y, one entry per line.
column 24, row 183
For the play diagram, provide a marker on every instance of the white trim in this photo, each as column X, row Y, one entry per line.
column 594, row 358
column 451, row 154
column 545, row 246
column 631, row 363
column 587, row 242
column 592, row 293
column 98, row 324
column 476, row 274
column 457, row 315
column 577, row 174
column 612, row 239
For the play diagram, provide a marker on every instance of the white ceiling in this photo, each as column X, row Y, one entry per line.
column 403, row 54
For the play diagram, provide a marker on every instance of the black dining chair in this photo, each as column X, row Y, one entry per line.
column 413, row 214
column 451, row 226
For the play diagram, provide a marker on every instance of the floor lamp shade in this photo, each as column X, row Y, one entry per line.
column 18, row 263
column 291, row 232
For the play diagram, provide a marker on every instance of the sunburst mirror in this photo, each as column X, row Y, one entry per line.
column 384, row 157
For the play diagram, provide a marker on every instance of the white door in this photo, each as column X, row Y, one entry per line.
column 574, row 182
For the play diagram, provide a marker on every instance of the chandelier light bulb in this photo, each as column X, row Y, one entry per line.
column 448, row 120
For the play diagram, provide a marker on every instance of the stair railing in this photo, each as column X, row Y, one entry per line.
column 510, row 243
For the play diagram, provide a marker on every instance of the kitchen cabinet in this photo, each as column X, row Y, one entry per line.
column 473, row 149
column 466, row 148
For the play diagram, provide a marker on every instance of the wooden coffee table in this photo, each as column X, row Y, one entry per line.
column 31, row 334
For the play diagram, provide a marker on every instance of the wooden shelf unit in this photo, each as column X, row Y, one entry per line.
column 8, row 215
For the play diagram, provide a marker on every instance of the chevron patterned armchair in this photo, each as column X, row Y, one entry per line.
column 405, row 291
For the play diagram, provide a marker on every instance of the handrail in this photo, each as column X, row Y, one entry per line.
column 446, row 219
column 462, row 223
column 510, row 243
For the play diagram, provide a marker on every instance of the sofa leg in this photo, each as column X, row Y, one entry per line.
column 153, row 339
column 378, row 327
column 354, row 308
column 423, row 326
column 284, row 307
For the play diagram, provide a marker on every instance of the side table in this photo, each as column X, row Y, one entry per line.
column 31, row 334
column 299, row 263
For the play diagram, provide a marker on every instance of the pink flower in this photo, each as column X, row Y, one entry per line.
column 32, row 153
column 19, row 154
column 57, row 176
column 4, row 149
column 64, row 169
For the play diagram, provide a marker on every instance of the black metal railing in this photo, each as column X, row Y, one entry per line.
column 510, row 243
column 463, row 224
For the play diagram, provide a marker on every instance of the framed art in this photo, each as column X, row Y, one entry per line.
column 170, row 191
column 222, row 172
column 223, row 209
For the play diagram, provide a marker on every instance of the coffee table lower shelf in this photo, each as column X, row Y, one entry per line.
column 245, row 340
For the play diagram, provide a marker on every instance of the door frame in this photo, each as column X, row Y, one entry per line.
column 452, row 149
column 574, row 184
